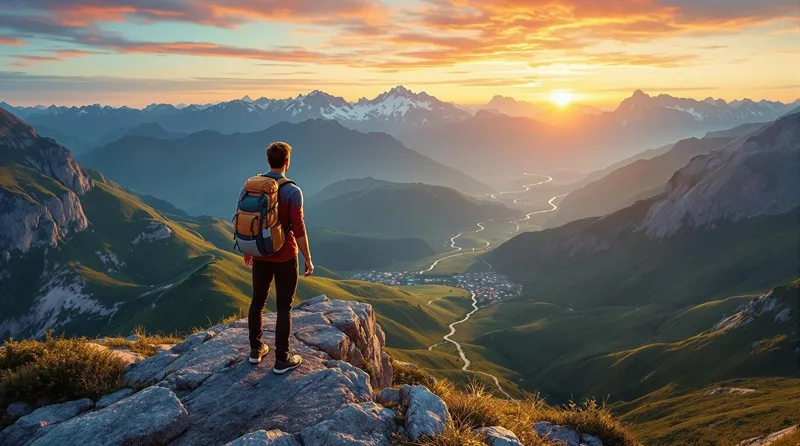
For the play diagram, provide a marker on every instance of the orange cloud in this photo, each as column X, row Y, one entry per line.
column 11, row 41
column 440, row 33
column 26, row 61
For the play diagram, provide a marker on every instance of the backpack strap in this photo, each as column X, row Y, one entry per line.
column 284, row 181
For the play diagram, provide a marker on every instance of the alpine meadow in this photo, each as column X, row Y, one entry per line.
column 387, row 223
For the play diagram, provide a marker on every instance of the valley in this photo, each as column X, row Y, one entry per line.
column 651, row 274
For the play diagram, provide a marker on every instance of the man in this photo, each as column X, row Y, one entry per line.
column 282, row 266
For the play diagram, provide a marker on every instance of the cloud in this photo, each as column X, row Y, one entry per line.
column 223, row 14
column 28, row 60
column 420, row 35
column 11, row 41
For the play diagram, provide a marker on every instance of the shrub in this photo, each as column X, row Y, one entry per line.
column 56, row 369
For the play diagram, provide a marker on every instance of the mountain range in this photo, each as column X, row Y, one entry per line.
column 202, row 172
column 491, row 146
column 585, row 137
column 394, row 111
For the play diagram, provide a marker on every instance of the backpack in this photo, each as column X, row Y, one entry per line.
column 257, row 230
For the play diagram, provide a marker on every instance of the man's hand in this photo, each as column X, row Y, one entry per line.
column 248, row 260
column 309, row 267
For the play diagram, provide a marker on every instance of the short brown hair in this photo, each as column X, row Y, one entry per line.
column 278, row 153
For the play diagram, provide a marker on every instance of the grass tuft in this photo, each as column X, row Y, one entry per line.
column 475, row 407
column 56, row 369
column 145, row 344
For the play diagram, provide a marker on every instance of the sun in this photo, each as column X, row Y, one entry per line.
column 562, row 98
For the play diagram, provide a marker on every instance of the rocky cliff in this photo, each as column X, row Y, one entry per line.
column 203, row 391
column 757, row 176
column 39, row 202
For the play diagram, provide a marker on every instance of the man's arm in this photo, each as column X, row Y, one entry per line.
column 299, row 230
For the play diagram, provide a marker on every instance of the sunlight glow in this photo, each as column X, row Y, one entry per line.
column 562, row 98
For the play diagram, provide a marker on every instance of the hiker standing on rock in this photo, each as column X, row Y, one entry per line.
column 268, row 230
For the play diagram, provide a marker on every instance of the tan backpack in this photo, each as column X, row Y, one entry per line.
column 257, row 228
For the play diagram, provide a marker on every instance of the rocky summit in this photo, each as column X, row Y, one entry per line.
column 203, row 391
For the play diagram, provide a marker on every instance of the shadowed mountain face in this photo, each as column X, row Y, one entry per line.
column 203, row 172
column 639, row 180
column 404, row 210
column 654, row 249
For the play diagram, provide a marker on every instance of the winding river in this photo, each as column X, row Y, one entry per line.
column 459, row 251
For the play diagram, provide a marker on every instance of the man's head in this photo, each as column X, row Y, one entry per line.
column 278, row 155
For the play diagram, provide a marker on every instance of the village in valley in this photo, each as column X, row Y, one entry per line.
column 488, row 287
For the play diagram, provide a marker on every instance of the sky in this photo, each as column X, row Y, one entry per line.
column 137, row 52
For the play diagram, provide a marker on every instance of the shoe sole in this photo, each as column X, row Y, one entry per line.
column 282, row 371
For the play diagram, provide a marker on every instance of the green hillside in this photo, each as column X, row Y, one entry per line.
column 405, row 210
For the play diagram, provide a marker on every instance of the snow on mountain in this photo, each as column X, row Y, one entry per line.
column 396, row 111
column 713, row 111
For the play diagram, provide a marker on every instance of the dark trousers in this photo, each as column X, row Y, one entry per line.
column 285, row 274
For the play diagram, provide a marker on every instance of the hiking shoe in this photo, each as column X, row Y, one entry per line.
column 257, row 353
column 282, row 367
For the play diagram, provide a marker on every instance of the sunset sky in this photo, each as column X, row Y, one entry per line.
column 194, row 51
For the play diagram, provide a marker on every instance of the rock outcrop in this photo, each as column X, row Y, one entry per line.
column 40, row 215
column 204, row 391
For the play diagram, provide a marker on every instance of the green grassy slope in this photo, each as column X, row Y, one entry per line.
column 405, row 210
column 624, row 353
column 693, row 417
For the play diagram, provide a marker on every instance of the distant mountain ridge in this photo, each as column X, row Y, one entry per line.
column 395, row 111
column 492, row 145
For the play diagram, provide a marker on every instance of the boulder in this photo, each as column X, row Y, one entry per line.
column 388, row 397
column 426, row 413
column 33, row 424
column 498, row 436
column 111, row 398
column 154, row 416
column 265, row 438
column 557, row 434
column 366, row 424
